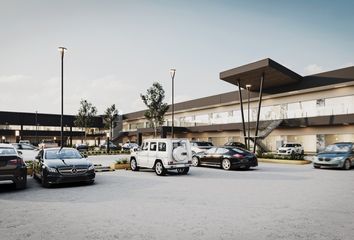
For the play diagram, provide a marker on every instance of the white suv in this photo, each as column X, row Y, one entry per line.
column 291, row 149
column 162, row 155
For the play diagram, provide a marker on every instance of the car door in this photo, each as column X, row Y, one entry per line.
column 207, row 158
column 142, row 159
column 218, row 156
column 152, row 154
column 352, row 155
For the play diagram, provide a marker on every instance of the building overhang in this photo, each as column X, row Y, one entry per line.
column 275, row 75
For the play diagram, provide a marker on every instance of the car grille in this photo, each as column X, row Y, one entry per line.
column 324, row 159
column 282, row 151
column 72, row 170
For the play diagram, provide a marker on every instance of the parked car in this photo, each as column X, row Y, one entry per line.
column 81, row 146
column 200, row 146
column 337, row 155
column 235, row 144
column 62, row 165
column 112, row 146
column 25, row 141
column 226, row 157
column 163, row 155
column 12, row 166
column 47, row 143
column 291, row 149
column 129, row 146
column 27, row 151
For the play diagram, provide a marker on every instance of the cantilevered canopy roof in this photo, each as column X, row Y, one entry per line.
column 275, row 75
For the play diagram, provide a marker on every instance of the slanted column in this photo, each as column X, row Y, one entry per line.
column 242, row 115
column 259, row 112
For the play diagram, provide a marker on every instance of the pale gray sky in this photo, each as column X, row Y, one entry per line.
column 117, row 49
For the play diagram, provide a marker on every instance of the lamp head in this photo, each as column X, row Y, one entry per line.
column 172, row 72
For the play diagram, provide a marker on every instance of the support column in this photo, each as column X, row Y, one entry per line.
column 259, row 112
column 243, row 118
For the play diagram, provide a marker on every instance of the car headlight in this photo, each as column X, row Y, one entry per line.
column 337, row 158
column 52, row 170
column 91, row 167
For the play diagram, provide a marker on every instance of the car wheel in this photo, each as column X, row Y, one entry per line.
column 45, row 181
column 183, row 170
column 91, row 182
column 347, row 164
column 195, row 161
column 134, row 165
column 160, row 169
column 292, row 155
column 226, row 164
column 22, row 184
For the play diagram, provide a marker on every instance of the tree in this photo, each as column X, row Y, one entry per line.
column 156, row 108
column 85, row 115
column 109, row 115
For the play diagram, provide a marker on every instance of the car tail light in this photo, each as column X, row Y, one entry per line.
column 238, row 155
column 12, row 162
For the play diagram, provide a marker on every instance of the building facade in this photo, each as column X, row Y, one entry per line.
column 15, row 126
column 313, row 110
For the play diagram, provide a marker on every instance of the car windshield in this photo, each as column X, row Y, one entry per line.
column 204, row 144
column 63, row 154
column 7, row 151
column 337, row 148
column 288, row 145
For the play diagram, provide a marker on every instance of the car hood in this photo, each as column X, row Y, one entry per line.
column 55, row 163
column 331, row 155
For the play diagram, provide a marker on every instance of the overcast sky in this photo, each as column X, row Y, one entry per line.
column 117, row 49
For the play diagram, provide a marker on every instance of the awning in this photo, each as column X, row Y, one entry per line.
column 275, row 75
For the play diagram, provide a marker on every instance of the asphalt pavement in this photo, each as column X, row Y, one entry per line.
column 273, row 201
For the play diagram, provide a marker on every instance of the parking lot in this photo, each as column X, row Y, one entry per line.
column 273, row 201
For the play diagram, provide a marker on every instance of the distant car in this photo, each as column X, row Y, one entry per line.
column 82, row 146
column 129, row 145
column 112, row 146
column 25, row 141
column 27, row 151
column 291, row 149
column 47, row 143
column 200, row 146
column 12, row 166
column 226, row 158
column 62, row 165
column 235, row 144
column 337, row 155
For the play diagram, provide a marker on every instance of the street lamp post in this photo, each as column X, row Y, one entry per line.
column 248, row 87
column 108, row 149
column 62, row 51
column 173, row 73
column 37, row 127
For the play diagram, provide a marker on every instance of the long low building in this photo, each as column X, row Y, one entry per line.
column 16, row 126
column 313, row 110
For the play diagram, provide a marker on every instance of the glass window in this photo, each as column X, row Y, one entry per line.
column 145, row 146
column 62, row 154
column 211, row 150
column 221, row 151
column 162, row 147
column 7, row 151
column 153, row 146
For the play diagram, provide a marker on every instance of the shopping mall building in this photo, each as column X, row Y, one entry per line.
column 271, row 104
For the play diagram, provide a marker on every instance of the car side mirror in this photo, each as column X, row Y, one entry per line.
column 38, row 157
column 19, row 152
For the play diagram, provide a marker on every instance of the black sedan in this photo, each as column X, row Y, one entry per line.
column 226, row 157
column 12, row 167
column 62, row 165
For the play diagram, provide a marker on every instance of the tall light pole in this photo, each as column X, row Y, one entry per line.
column 62, row 51
column 248, row 87
column 173, row 73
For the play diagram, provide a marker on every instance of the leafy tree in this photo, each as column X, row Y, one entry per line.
column 153, row 99
column 109, row 115
column 85, row 115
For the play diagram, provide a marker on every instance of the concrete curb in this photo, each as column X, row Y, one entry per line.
column 295, row 162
